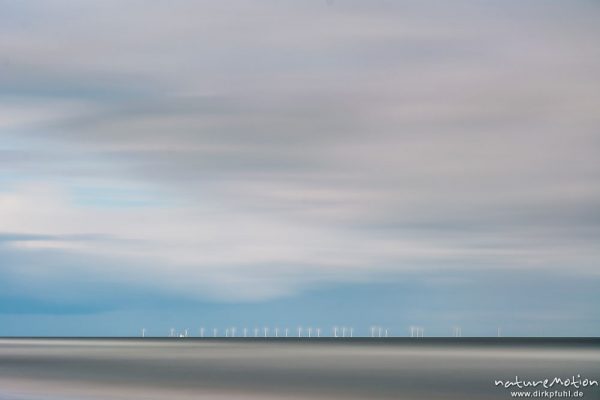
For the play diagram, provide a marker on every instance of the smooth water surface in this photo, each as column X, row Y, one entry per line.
column 271, row 368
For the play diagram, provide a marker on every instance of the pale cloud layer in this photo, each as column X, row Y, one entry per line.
column 250, row 150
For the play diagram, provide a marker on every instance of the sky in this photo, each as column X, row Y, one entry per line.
column 299, row 163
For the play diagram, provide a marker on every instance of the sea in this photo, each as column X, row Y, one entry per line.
column 300, row 368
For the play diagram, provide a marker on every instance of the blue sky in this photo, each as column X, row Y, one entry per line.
column 291, row 163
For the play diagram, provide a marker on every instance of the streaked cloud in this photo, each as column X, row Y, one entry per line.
column 253, row 150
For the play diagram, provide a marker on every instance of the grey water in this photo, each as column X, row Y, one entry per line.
column 270, row 368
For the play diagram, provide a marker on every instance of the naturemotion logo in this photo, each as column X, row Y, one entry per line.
column 537, row 388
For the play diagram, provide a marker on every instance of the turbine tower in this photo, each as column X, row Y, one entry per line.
column 457, row 331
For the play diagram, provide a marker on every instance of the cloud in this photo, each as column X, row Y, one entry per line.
column 259, row 149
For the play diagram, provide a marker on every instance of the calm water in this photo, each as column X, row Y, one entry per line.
column 286, row 369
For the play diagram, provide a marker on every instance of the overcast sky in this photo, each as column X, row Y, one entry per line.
column 229, row 162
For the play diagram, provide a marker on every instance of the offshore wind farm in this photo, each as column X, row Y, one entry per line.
column 334, row 332
column 309, row 332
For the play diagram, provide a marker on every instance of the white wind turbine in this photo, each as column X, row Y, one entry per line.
column 457, row 331
column 416, row 331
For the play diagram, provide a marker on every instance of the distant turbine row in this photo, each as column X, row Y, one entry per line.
column 264, row 332
column 309, row 332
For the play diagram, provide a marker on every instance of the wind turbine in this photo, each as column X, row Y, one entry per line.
column 256, row 332
column 373, row 331
column 266, row 329
column 498, row 331
column 286, row 332
column 276, row 332
column 299, row 331
column 416, row 331
column 245, row 332
column 201, row 332
column 457, row 331
column 318, row 332
column 143, row 332
column 215, row 331
column 335, row 331
column 172, row 332
column 309, row 331
column 351, row 332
